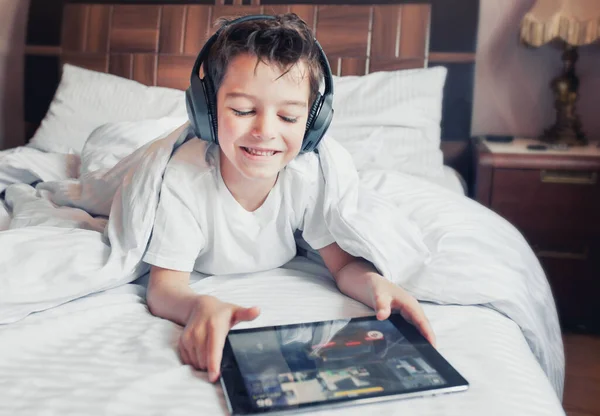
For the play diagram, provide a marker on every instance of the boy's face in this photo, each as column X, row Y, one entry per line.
column 261, row 117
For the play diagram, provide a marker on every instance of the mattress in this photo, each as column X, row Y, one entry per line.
column 105, row 354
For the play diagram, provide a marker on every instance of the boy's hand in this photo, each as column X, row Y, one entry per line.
column 387, row 296
column 360, row 280
column 203, row 338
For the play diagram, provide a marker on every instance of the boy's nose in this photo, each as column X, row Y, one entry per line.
column 264, row 127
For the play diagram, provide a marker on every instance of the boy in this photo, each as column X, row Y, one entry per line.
column 234, row 207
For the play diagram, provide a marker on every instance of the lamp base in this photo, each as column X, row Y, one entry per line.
column 567, row 128
column 569, row 135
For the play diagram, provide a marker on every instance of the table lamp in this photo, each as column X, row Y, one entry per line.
column 571, row 23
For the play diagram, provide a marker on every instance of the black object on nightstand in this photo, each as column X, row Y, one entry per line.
column 498, row 139
column 553, row 198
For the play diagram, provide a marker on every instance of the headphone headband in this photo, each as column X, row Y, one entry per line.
column 201, row 97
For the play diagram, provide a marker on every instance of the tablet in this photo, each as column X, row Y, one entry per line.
column 301, row 367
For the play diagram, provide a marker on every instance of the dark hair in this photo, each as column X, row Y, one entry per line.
column 284, row 41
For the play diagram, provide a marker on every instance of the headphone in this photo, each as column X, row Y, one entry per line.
column 201, row 99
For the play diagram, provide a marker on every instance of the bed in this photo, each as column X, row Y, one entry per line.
column 104, row 353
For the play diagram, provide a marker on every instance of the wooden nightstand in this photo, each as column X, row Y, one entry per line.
column 553, row 198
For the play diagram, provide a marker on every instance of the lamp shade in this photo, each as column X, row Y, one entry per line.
column 577, row 22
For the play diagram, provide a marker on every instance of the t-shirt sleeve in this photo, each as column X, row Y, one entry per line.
column 176, row 237
column 314, row 228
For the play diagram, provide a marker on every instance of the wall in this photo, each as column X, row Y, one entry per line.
column 13, row 20
column 512, row 94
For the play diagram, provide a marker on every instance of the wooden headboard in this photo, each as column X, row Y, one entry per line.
column 156, row 41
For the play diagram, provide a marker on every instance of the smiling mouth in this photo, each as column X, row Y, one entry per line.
column 259, row 152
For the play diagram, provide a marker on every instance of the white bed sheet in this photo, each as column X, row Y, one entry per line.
column 27, row 165
column 105, row 354
column 4, row 216
column 451, row 180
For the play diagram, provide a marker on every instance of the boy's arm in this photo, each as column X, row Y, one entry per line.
column 353, row 275
column 206, row 320
column 169, row 294
column 358, row 279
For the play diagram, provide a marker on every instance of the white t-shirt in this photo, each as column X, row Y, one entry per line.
column 200, row 226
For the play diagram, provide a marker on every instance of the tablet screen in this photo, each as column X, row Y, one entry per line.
column 329, row 361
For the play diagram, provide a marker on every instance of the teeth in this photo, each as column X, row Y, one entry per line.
column 259, row 152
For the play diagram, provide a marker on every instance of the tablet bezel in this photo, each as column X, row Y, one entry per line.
column 238, row 401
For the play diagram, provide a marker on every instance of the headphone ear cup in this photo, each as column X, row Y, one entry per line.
column 211, row 101
column 309, row 135
column 198, row 109
column 314, row 111
column 318, row 122
column 191, row 111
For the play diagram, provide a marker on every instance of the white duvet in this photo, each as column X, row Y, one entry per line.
column 453, row 251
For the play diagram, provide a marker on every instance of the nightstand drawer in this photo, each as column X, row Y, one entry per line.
column 576, row 292
column 542, row 200
column 572, row 267
column 548, row 245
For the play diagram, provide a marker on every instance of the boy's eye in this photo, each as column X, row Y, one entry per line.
column 242, row 113
column 289, row 119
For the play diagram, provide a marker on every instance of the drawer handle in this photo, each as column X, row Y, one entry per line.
column 557, row 254
column 570, row 177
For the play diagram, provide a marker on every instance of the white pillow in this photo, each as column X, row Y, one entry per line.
column 391, row 120
column 386, row 120
column 86, row 99
column 111, row 142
